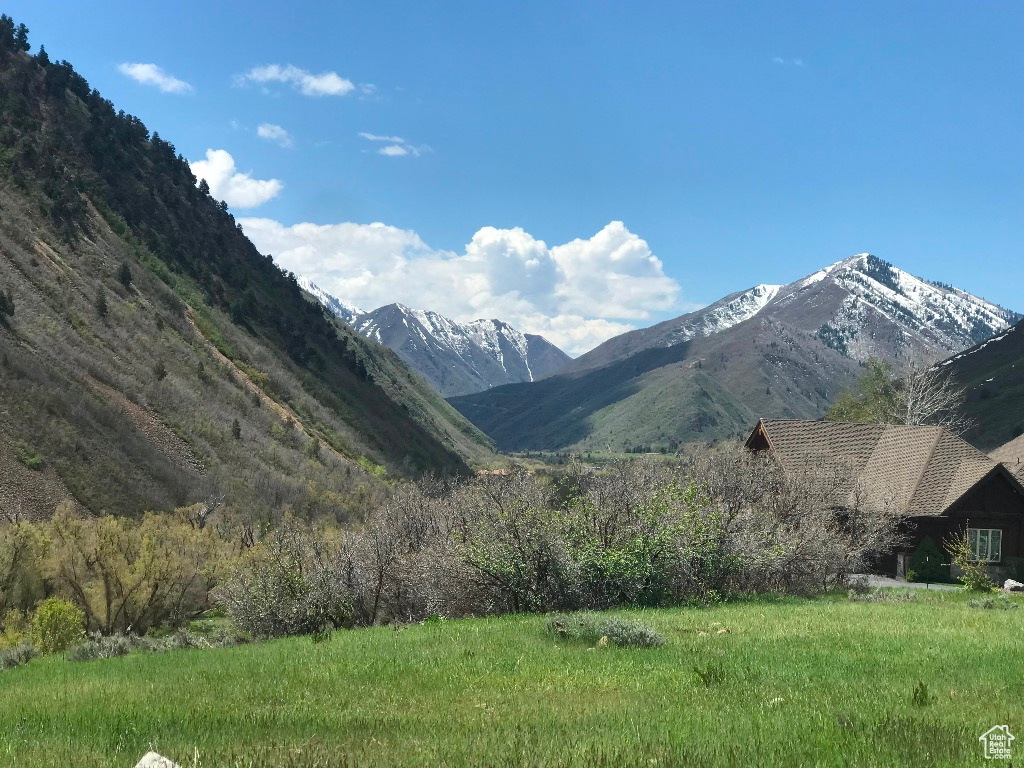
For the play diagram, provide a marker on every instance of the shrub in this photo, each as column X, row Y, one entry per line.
column 134, row 575
column 973, row 573
column 110, row 646
column 858, row 585
column 285, row 585
column 28, row 456
column 124, row 274
column 926, row 563
column 593, row 629
column 884, row 596
column 23, row 567
column 103, row 647
column 990, row 602
column 15, row 657
column 16, row 629
column 57, row 625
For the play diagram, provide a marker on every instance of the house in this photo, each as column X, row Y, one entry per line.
column 1012, row 455
column 935, row 481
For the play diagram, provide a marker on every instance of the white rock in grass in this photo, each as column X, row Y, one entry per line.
column 153, row 760
column 1013, row 586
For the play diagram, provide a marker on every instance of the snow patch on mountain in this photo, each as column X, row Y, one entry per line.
column 457, row 358
column 343, row 309
column 980, row 347
column 725, row 314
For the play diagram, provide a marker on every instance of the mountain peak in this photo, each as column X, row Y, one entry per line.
column 455, row 358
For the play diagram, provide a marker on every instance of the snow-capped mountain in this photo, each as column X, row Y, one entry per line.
column 455, row 358
column 860, row 307
column 342, row 309
column 775, row 351
column 869, row 307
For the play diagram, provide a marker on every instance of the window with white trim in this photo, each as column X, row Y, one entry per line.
column 986, row 544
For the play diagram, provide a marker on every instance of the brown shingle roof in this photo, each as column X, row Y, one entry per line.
column 915, row 470
column 1012, row 455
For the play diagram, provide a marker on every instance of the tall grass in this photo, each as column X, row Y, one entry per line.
column 827, row 682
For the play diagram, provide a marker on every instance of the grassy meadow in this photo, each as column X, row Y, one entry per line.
column 783, row 682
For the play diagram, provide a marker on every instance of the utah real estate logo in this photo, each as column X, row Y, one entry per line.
column 997, row 742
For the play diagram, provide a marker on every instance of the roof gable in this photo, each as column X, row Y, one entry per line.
column 1012, row 455
column 911, row 469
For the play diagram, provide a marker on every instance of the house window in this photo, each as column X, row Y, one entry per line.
column 986, row 544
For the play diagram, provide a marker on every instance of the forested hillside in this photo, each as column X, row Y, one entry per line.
column 993, row 375
column 149, row 355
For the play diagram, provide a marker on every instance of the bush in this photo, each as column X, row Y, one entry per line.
column 133, row 575
column 884, row 596
column 16, row 629
column 858, row 585
column 57, row 625
column 993, row 602
column 101, row 647
column 597, row 630
column 15, row 657
column 111, row 646
column 23, row 568
column 285, row 585
column 28, row 456
column 973, row 573
column 926, row 563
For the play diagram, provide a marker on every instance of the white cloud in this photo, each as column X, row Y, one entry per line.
column 239, row 190
column 577, row 294
column 274, row 133
column 378, row 137
column 396, row 145
column 151, row 74
column 324, row 84
column 778, row 60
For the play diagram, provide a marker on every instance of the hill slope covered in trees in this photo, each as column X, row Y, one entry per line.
column 992, row 373
column 150, row 356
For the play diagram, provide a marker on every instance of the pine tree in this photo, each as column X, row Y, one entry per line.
column 101, row 303
column 6, row 304
column 21, row 38
column 124, row 274
column 236, row 430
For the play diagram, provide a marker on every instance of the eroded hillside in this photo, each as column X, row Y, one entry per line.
column 150, row 357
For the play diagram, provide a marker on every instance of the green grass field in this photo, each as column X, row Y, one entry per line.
column 792, row 683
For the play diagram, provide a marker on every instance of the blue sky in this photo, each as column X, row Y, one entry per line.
column 581, row 168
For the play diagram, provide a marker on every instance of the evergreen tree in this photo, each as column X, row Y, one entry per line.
column 926, row 563
column 124, row 274
column 6, row 304
column 236, row 430
column 21, row 38
column 101, row 303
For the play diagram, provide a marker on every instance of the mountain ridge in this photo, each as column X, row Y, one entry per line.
column 782, row 351
column 455, row 358
column 151, row 357
column 992, row 375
